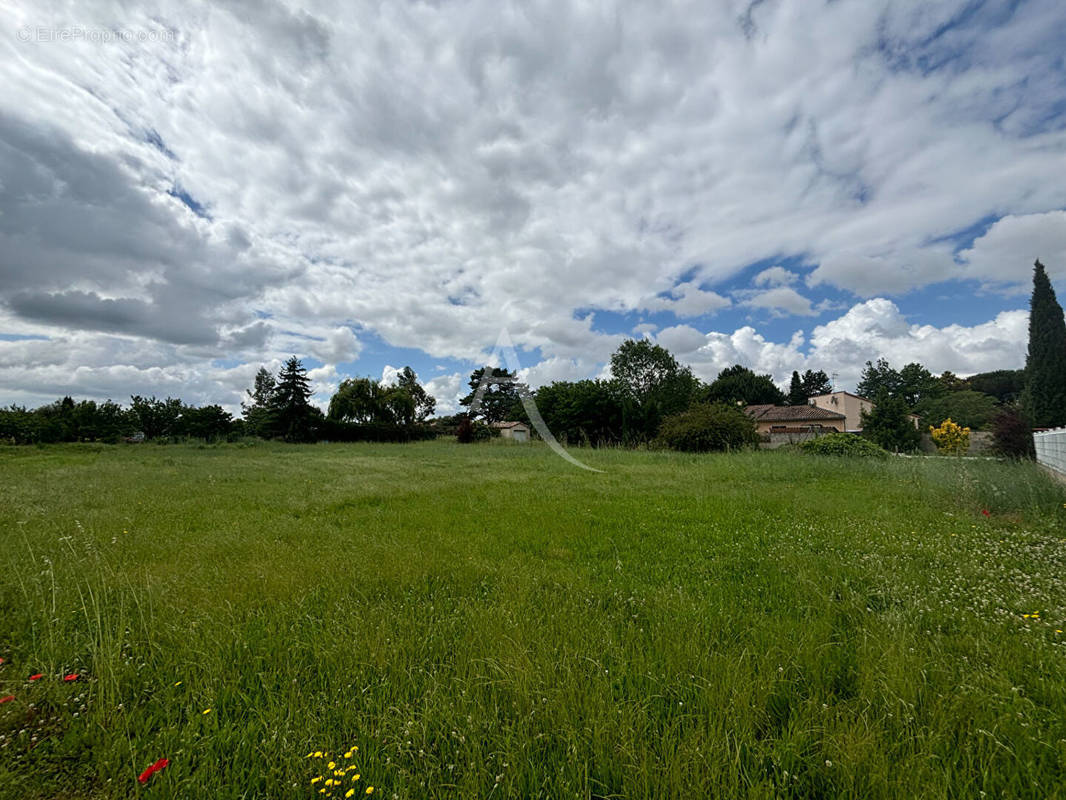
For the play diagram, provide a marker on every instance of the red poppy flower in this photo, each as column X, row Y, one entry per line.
column 985, row 512
column 37, row 677
column 71, row 677
column 1, row 661
column 7, row 699
column 152, row 770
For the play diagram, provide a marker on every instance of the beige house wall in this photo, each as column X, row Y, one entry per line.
column 847, row 404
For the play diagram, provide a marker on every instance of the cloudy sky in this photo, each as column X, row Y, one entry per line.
column 188, row 190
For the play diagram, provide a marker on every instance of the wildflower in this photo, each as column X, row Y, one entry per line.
column 355, row 777
column 316, row 779
column 318, row 754
column 162, row 763
column 71, row 677
column 369, row 789
column 177, row 683
column 331, row 765
column 37, row 676
column 7, row 698
column 207, row 711
column 985, row 512
column 349, row 793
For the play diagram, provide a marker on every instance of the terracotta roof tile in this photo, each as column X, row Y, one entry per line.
column 767, row 413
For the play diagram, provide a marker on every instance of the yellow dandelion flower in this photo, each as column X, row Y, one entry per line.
column 339, row 773
column 178, row 683
column 349, row 793
column 318, row 754
column 369, row 789
column 321, row 791
column 355, row 777
column 316, row 779
column 348, row 754
column 207, row 711
column 331, row 764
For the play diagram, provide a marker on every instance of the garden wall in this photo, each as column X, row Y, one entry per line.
column 1051, row 449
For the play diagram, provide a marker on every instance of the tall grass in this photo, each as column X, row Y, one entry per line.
column 487, row 621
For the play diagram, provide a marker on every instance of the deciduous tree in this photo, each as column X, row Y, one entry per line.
column 738, row 385
column 879, row 379
column 890, row 426
column 256, row 408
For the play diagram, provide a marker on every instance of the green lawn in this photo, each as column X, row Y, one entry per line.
column 488, row 621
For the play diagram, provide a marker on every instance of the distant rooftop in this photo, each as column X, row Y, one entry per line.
column 805, row 413
column 841, row 391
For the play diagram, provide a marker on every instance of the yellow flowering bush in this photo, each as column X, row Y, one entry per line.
column 950, row 438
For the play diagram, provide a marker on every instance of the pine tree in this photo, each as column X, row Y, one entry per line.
column 293, row 415
column 1044, row 397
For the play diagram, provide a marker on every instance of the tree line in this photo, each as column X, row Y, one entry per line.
column 649, row 386
column 276, row 407
column 653, row 397
column 650, row 397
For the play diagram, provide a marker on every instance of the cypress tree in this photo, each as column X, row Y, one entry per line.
column 796, row 395
column 1044, row 398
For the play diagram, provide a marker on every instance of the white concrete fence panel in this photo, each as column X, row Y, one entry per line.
column 1051, row 449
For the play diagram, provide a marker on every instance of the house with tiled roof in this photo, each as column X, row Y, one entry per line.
column 852, row 406
column 795, row 419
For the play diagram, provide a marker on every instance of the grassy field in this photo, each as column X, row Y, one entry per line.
column 487, row 621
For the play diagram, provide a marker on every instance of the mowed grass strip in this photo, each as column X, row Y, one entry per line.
column 487, row 620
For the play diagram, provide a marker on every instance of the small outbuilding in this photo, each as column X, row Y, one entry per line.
column 515, row 431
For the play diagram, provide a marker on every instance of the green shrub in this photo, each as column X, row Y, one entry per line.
column 842, row 444
column 708, row 426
